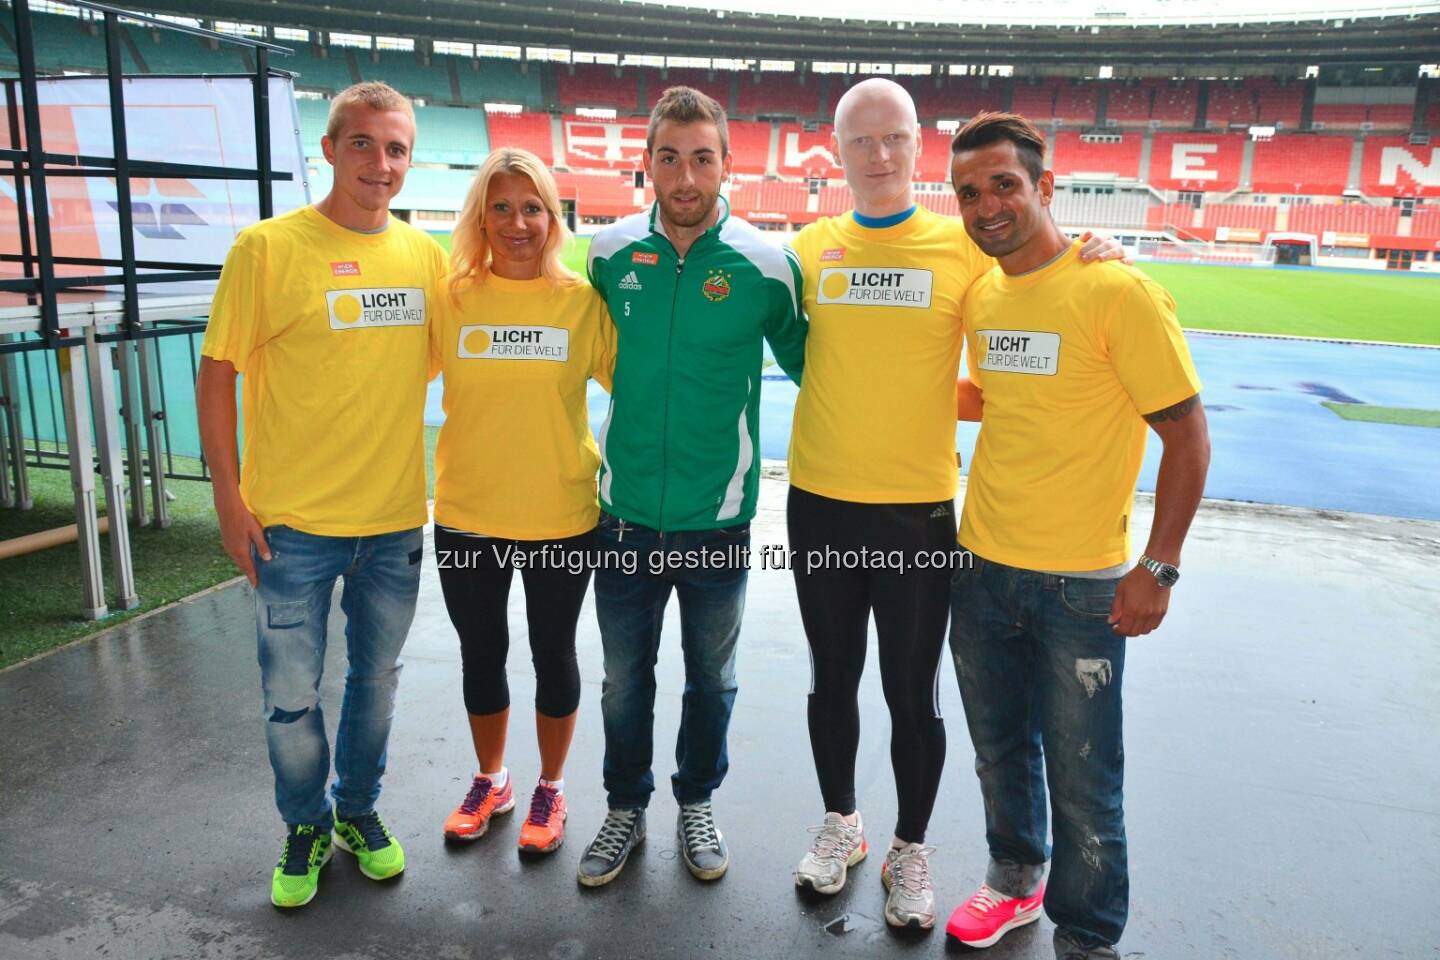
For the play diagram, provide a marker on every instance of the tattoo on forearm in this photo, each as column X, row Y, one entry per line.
column 1179, row 411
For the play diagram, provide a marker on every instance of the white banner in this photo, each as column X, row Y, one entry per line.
column 192, row 120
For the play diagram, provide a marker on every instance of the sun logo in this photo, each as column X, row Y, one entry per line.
column 347, row 309
column 477, row 342
column 835, row 285
column 983, row 343
column 717, row 286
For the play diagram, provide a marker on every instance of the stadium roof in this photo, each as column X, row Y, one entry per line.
column 609, row 26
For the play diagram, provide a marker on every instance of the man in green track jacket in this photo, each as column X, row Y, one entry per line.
column 693, row 292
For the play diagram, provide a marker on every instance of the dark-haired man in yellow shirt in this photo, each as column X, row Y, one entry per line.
column 1071, row 363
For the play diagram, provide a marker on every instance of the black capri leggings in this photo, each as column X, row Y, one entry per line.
column 895, row 560
column 475, row 577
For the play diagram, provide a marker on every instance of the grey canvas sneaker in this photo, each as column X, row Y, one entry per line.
column 906, row 875
column 702, row 846
column 837, row 847
column 1067, row 949
column 622, row 832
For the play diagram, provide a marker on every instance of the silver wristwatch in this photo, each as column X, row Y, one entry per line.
column 1166, row 574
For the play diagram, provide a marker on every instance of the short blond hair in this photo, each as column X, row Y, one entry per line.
column 470, row 249
column 373, row 94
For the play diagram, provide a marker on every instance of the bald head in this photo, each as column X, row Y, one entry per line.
column 875, row 94
column 876, row 140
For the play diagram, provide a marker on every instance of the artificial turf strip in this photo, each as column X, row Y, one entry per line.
column 40, row 593
column 1387, row 306
column 1402, row 416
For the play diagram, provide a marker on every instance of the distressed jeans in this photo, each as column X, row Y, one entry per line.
column 292, row 604
column 1039, row 670
column 630, row 608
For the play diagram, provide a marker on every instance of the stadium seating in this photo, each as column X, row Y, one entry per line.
column 1129, row 105
column 835, row 199
column 1034, row 100
column 934, row 163
column 1178, row 215
column 1074, row 156
column 497, row 81
column 943, row 203
column 168, row 52
column 1302, row 164
column 1077, row 103
column 715, row 85
column 401, row 70
column 1230, row 103
column 604, row 144
column 453, row 135
column 774, row 201
column 1432, row 117
column 1248, row 215
column 806, row 154
column 1116, row 209
column 65, row 43
column 1391, row 167
column 1277, row 104
column 1344, row 116
column 1392, row 116
column 1196, row 161
column 528, row 130
column 749, row 145
column 596, row 85
column 967, row 96
column 1426, row 223
column 1344, row 218
column 1175, row 103
column 314, row 114
column 601, row 195
column 777, row 94
column 329, row 74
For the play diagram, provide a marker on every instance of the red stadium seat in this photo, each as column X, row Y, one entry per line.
column 807, row 154
column 944, row 203
column 595, row 85
column 770, row 201
column 1339, row 115
column 1426, row 223
column 1394, row 116
column 1248, row 215
column 1077, row 103
column 777, row 94
column 964, row 97
column 716, row 87
column 1393, row 168
column 1302, row 164
column 604, row 144
column 1129, row 105
column 1175, row 103
column 1230, row 103
column 1432, row 117
column 749, row 145
column 1034, row 101
column 1344, row 218
column 528, row 130
column 1276, row 103
column 1072, row 156
column 1196, row 161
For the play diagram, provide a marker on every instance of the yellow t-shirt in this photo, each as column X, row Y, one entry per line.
column 875, row 419
column 515, row 457
column 327, row 327
column 1069, row 358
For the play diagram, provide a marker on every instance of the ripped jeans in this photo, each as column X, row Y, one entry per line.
column 1039, row 670
column 292, row 604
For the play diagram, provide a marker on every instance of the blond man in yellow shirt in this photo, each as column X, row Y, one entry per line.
column 324, row 312
column 1072, row 363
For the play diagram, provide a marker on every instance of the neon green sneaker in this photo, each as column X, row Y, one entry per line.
column 376, row 850
column 297, row 875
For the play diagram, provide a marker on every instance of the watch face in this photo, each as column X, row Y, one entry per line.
column 1167, row 575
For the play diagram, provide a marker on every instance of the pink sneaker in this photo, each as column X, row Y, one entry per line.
column 989, row 915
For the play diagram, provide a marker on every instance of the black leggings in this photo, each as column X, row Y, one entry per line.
column 475, row 577
column 896, row 560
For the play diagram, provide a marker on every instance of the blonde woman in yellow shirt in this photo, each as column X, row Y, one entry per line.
column 518, row 338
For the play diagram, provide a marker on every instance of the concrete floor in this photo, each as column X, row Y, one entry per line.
column 1283, row 790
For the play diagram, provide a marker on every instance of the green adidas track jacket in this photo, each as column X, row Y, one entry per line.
column 680, row 446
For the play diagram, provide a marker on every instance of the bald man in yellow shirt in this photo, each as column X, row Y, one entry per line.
column 1072, row 363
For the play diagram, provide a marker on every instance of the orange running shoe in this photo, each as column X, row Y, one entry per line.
column 544, row 828
column 472, row 818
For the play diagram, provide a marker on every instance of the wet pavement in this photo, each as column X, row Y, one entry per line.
column 1283, row 788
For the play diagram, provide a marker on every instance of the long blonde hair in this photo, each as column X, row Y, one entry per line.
column 470, row 250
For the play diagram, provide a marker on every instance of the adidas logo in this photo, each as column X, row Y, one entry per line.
column 630, row 282
column 940, row 511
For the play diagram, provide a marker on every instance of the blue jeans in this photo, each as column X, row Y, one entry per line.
column 1039, row 672
column 292, row 605
column 630, row 607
